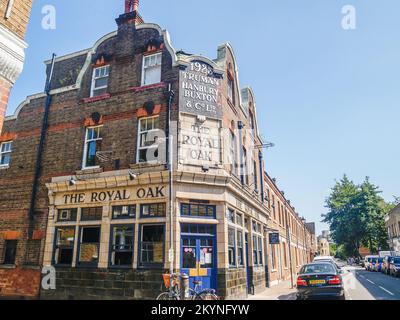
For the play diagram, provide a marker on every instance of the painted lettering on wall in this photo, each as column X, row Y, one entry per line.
column 200, row 142
column 115, row 195
column 200, row 90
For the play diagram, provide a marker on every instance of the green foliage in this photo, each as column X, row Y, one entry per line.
column 357, row 216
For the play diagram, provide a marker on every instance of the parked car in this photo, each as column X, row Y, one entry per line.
column 376, row 264
column 386, row 264
column 394, row 267
column 319, row 280
column 368, row 260
column 327, row 259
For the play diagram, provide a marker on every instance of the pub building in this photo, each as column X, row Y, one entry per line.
column 149, row 160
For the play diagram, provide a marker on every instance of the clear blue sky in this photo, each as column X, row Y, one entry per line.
column 328, row 98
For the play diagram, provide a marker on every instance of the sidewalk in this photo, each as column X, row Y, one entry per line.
column 281, row 291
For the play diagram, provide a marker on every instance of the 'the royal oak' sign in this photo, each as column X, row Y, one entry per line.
column 140, row 193
column 200, row 90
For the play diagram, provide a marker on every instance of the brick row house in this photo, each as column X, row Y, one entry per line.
column 151, row 160
column 14, row 19
column 297, row 244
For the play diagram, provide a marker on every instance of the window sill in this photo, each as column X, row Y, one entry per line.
column 62, row 266
column 4, row 167
column 120, row 267
column 149, row 86
column 87, row 266
column 89, row 170
column 96, row 98
column 152, row 267
column 146, row 166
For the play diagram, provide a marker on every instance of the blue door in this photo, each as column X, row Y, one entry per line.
column 198, row 259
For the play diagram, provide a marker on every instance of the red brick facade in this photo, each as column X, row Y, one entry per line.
column 70, row 113
column 73, row 109
column 18, row 20
column 5, row 88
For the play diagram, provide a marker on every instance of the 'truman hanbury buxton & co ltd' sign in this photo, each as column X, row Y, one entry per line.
column 200, row 90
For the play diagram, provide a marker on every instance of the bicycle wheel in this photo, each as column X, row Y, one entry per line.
column 206, row 295
column 167, row 296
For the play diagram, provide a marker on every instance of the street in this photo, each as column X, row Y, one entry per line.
column 359, row 284
column 365, row 285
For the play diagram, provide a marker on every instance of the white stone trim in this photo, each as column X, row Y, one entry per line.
column 12, row 55
column 68, row 56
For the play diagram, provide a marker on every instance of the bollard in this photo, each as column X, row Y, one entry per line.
column 184, row 286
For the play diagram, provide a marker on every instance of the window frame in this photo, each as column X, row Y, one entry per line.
column 55, row 246
column 232, row 247
column 131, row 207
column 111, row 245
column 245, row 168
column 80, row 264
column 139, row 135
column 4, row 153
column 15, row 248
column 257, row 243
column 91, row 208
column 239, row 248
column 153, row 204
column 73, row 212
column 145, row 68
column 255, row 176
column 153, row 265
column 233, row 150
column 86, row 144
column 208, row 206
column 94, row 78
column 231, row 90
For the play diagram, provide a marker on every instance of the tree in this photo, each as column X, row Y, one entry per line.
column 357, row 216
column 373, row 211
column 343, row 218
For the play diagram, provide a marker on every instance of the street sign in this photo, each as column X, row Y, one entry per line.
column 274, row 238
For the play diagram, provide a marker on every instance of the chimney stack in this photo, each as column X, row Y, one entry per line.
column 131, row 6
column 131, row 15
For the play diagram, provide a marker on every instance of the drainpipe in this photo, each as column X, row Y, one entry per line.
column 170, row 158
column 260, row 157
column 38, row 166
column 240, row 127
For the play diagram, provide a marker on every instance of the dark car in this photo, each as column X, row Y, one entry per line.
column 394, row 266
column 320, row 280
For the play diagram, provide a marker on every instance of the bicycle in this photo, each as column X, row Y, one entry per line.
column 206, row 294
column 171, row 282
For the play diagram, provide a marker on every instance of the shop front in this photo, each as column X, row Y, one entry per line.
column 108, row 242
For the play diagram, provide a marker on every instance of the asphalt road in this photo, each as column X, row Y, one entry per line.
column 365, row 285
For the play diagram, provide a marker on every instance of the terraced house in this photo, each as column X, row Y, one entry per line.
column 295, row 241
column 14, row 19
column 138, row 159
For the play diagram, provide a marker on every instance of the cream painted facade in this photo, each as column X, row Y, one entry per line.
column 323, row 247
column 392, row 221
